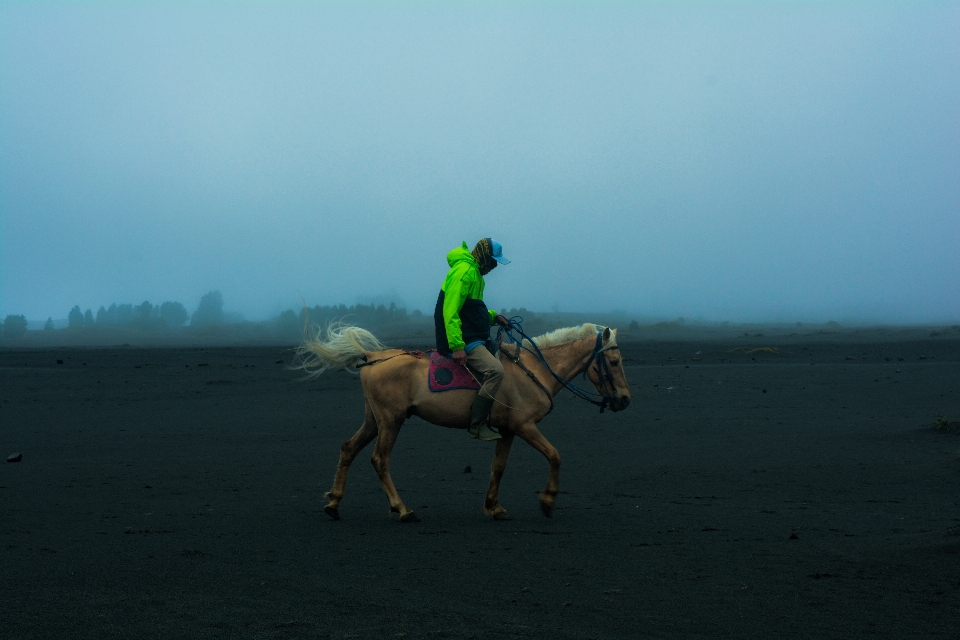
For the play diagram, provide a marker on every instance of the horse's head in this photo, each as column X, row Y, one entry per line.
column 606, row 371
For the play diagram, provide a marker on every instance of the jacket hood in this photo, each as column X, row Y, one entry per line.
column 460, row 254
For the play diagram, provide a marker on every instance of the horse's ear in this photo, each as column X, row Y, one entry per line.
column 606, row 335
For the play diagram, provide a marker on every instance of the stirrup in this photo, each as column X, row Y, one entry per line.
column 490, row 435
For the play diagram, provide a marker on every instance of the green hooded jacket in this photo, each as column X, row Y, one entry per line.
column 463, row 281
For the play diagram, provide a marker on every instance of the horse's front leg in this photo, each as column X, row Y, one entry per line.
column 348, row 451
column 386, row 438
column 491, row 506
column 530, row 434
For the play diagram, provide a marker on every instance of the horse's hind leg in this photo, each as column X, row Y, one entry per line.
column 349, row 451
column 386, row 438
column 491, row 506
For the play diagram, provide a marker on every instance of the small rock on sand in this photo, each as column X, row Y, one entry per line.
column 15, row 457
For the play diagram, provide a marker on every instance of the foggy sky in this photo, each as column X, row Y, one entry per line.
column 724, row 161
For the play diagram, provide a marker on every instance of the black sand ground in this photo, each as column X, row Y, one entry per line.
column 178, row 493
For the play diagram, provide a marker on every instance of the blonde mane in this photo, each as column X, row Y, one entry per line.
column 567, row 335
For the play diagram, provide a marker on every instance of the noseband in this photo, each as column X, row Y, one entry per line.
column 602, row 370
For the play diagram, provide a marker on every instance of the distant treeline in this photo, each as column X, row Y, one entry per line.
column 172, row 317
column 144, row 317
column 149, row 317
column 147, row 321
column 292, row 323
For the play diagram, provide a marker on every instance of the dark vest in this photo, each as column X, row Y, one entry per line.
column 474, row 320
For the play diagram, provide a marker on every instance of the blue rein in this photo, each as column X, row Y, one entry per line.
column 597, row 360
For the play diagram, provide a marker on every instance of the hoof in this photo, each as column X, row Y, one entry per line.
column 496, row 512
column 546, row 508
column 410, row 517
column 333, row 512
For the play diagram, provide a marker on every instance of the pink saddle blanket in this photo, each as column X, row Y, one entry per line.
column 445, row 374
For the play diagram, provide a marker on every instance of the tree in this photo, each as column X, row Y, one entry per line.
column 144, row 311
column 124, row 316
column 75, row 318
column 173, row 314
column 288, row 324
column 88, row 318
column 14, row 327
column 209, row 311
column 48, row 325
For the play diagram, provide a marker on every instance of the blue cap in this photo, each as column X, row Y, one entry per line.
column 497, row 249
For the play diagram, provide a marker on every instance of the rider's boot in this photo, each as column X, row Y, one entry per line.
column 478, row 419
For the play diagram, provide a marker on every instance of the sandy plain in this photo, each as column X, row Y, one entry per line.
column 177, row 493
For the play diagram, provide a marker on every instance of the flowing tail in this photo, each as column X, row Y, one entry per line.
column 345, row 347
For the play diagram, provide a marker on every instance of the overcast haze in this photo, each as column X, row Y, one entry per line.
column 722, row 161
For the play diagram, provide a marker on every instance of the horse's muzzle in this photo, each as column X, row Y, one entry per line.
column 619, row 404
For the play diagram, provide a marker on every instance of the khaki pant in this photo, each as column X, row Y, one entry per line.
column 488, row 369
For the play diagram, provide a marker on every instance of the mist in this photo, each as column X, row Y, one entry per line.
column 718, row 161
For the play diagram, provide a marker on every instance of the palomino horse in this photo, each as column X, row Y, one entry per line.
column 395, row 388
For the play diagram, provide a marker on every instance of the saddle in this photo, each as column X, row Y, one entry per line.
column 445, row 374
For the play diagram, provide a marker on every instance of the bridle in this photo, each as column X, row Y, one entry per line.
column 597, row 360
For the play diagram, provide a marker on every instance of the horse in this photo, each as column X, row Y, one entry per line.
column 395, row 387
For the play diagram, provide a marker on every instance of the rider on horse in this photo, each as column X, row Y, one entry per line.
column 463, row 324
